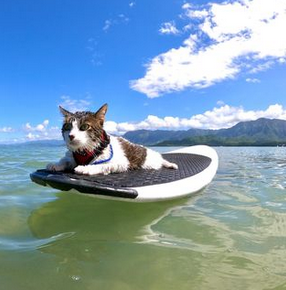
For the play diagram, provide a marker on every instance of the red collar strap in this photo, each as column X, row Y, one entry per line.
column 84, row 157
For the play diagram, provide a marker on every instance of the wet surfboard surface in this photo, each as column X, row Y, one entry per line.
column 197, row 165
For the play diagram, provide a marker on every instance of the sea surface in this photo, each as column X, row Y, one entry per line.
column 232, row 235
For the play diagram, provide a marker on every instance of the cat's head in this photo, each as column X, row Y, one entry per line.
column 83, row 130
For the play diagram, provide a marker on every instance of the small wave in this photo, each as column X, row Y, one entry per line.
column 26, row 245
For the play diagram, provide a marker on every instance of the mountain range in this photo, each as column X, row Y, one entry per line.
column 262, row 132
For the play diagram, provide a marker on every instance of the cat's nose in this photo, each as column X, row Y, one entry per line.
column 71, row 137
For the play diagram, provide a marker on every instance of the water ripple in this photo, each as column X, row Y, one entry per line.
column 33, row 244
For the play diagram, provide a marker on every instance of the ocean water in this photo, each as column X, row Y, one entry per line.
column 232, row 235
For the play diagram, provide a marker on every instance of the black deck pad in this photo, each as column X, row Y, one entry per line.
column 119, row 184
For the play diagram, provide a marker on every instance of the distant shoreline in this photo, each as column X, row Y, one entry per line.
column 60, row 143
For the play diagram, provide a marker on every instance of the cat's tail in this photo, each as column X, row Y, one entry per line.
column 169, row 165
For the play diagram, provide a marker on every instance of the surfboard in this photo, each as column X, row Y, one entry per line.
column 197, row 167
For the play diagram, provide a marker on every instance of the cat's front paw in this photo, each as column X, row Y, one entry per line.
column 55, row 167
column 81, row 170
column 89, row 170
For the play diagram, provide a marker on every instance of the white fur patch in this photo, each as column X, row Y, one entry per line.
column 153, row 160
column 118, row 163
column 81, row 138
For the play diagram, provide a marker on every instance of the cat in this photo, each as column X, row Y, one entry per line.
column 92, row 151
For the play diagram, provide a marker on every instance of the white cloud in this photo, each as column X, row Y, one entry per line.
column 252, row 80
column 31, row 136
column 92, row 48
column 226, row 39
column 73, row 105
column 224, row 116
column 220, row 103
column 169, row 28
column 261, row 66
column 6, row 130
column 227, row 116
column 187, row 6
column 119, row 19
column 38, row 128
column 41, row 131
column 107, row 25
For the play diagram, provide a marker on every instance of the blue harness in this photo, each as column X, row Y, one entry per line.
column 104, row 160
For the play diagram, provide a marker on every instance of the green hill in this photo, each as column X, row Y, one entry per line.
column 262, row 132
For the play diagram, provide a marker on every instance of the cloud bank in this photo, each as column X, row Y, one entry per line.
column 224, row 40
column 41, row 131
column 224, row 116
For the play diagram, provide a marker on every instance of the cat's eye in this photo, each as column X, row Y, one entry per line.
column 84, row 127
column 67, row 126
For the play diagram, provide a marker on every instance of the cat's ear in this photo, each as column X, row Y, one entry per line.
column 64, row 112
column 100, row 114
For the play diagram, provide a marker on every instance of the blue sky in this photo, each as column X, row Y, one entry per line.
column 158, row 64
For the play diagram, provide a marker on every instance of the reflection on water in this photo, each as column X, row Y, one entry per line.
column 106, row 241
column 230, row 236
column 98, row 220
